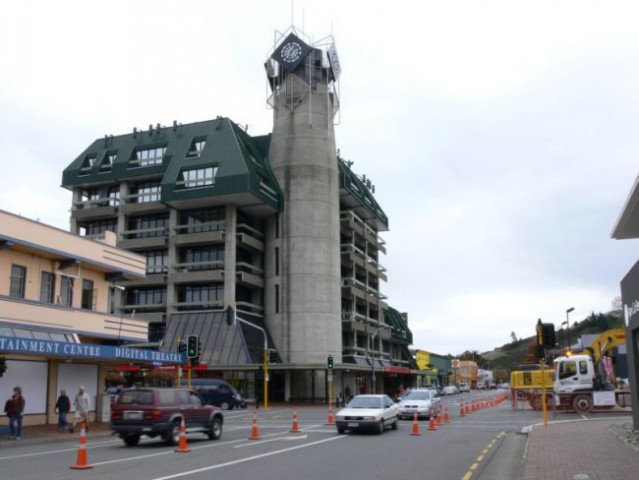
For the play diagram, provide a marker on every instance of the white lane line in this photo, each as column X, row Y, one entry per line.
column 248, row 459
column 271, row 440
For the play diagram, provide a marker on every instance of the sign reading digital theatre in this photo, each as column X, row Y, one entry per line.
column 104, row 352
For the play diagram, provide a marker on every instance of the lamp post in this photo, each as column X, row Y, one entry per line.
column 373, row 360
column 568, row 324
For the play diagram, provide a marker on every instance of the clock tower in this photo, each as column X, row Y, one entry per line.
column 303, row 284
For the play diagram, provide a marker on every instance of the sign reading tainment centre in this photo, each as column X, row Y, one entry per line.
column 50, row 347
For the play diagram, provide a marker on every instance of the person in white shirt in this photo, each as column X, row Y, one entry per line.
column 82, row 404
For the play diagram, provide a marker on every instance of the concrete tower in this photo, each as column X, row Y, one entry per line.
column 303, row 283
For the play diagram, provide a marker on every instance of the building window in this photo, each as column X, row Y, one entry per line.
column 202, row 258
column 18, row 281
column 277, row 298
column 156, row 261
column 149, row 226
column 47, row 287
column 147, row 157
column 198, row 177
column 66, row 291
column 202, row 296
column 114, row 196
column 87, row 294
column 106, row 165
column 202, row 220
column 87, row 164
column 151, row 298
column 90, row 229
column 277, row 261
column 146, row 192
column 197, row 145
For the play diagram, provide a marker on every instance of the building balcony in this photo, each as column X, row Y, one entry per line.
column 250, row 237
column 200, row 234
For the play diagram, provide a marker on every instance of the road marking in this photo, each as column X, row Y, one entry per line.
column 248, row 459
column 469, row 473
column 271, row 440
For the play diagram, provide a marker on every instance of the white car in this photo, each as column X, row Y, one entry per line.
column 450, row 390
column 421, row 401
column 367, row 412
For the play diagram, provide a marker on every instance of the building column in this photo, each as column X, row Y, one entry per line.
column 230, row 254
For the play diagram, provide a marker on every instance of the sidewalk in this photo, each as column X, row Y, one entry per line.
column 602, row 448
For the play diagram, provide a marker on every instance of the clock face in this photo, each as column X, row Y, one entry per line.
column 291, row 52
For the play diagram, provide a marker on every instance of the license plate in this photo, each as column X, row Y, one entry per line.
column 132, row 415
column 353, row 424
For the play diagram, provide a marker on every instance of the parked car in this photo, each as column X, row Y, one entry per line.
column 421, row 401
column 464, row 387
column 159, row 412
column 368, row 412
column 450, row 390
column 218, row 392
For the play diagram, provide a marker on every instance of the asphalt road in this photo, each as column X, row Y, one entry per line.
column 465, row 448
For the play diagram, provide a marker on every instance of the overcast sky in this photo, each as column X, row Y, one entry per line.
column 502, row 137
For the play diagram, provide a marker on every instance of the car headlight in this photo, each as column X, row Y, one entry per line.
column 372, row 418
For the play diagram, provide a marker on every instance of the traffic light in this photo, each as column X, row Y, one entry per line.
column 546, row 335
column 191, row 346
column 230, row 316
column 272, row 355
column 181, row 346
column 329, row 362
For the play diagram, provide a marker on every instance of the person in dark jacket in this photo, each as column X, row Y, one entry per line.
column 15, row 420
column 63, row 406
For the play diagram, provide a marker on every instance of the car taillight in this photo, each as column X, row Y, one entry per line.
column 116, row 414
column 156, row 415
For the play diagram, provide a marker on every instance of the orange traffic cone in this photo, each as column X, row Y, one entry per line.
column 431, row 423
column 331, row 419
column 182, row 448
column 295, row 428
column 415, row 431
column 462, row 410
column 81, row 462
column 255, row 435
column 439, row 416
column 446, row 416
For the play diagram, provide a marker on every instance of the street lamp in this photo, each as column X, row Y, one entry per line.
column 568, row 324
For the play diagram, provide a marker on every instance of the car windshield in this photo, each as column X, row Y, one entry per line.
column 417, row 395
column 365, row 402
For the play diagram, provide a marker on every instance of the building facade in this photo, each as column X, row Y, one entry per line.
column 276, row 226
column 59, row 324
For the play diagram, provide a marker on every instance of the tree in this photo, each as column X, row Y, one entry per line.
column 513, row 336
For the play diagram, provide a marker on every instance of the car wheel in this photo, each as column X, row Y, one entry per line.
column 215, row 431
column 225, row 406
column 131, row 440
column 380, row 427
column 340, row 430
column 172, row 436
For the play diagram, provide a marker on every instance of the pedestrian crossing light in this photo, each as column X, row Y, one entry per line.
column 329, row 362
column 191, row 346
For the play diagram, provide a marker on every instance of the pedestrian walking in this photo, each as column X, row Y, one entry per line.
column 62, row 406
column 82, row 404
column 15, row 408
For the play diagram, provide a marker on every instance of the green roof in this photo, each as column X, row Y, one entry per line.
column 357, row 196
column 399, row 326
column 215, row 159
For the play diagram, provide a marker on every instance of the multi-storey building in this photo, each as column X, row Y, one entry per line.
column 276, row 226
column 59, row 325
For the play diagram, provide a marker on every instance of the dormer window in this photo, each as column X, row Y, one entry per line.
column 107, row 162
column 146, row 157
column 87, row 164
column 197, row 145
column 198, row 177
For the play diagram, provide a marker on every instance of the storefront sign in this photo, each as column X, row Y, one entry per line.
column 75, row 350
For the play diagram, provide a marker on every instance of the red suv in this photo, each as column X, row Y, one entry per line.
column 159, row 411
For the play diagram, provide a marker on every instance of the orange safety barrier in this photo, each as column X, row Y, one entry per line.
column 255, row 434
column 415, row 431
column 81, row 461
column 182, row 448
